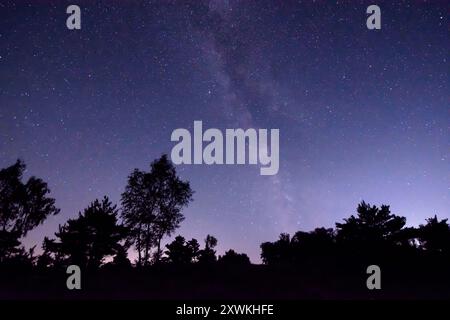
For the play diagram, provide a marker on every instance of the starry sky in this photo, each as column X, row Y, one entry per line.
column 362, row 114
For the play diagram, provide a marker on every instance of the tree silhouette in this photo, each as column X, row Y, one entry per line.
column 231, row 257
column 319, row 239
column 181, row 252
column 208, row 254
column 320, row 242
column 91, row 237
column 22, row 260
column 23, row 206
column 194, row 249
column 9, row 243
column 177, row 252
column 152, row 204
column 278, row 251
column 434, row 236
column 121, row 259
column 373, row 227
column 45, row 260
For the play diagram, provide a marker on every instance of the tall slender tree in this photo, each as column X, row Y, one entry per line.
column 152, row 205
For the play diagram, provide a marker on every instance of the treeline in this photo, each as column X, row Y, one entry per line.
column 151, row 209
column 374, row 234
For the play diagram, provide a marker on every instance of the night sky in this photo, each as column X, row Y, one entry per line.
column 362, row 114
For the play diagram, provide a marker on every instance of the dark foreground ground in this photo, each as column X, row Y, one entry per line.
column 419, row 281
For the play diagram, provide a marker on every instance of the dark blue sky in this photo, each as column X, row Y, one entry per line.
column 362, row 114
